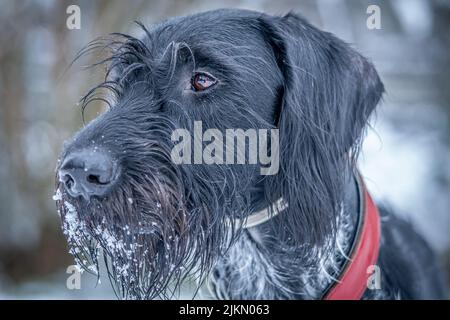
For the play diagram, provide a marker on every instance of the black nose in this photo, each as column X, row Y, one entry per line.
column 87, row 173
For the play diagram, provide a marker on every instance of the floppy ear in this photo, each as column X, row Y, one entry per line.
column 329, row 93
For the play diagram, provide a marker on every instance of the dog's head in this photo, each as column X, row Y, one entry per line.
column 121, row 186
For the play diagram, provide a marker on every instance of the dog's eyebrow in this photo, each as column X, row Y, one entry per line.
column 203, row 55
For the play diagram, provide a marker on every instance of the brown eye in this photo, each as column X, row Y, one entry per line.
column 202, row 81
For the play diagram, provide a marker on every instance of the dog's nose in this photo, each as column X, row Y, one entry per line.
column 87, row 173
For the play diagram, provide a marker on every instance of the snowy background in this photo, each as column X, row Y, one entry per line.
column 406, row 156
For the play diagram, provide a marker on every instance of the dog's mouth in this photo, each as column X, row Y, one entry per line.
column 141, row 235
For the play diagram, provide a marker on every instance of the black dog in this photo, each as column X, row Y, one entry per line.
column 120, row 193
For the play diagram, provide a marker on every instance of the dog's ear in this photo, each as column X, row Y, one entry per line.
column 329, row 92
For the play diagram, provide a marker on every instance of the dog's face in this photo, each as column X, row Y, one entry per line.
column 119, row 189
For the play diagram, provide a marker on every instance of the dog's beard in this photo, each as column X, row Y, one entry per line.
column 150, row 232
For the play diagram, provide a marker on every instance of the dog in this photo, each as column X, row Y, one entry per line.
column 301, row 232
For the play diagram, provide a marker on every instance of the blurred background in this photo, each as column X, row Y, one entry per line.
column 406, row 156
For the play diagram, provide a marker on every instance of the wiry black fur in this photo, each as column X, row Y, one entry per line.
column 273, row 72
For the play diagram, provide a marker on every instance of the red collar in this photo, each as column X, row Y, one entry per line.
column 353, row 282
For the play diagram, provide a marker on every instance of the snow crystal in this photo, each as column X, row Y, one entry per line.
column 111, row 241
column 123, row 269
column 71, row 223
column 93, row 268
column 71, row 214
column 57, row 196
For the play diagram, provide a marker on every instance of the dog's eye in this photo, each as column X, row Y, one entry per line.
column 202, row 81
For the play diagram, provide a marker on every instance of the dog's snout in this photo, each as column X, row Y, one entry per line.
column 88, row 173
